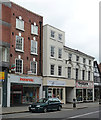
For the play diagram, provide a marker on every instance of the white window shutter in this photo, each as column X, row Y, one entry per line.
column 32, row 27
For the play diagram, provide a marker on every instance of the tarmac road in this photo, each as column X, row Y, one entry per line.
column 93, row 113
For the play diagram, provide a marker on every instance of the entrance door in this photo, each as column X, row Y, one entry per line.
column 84, row 94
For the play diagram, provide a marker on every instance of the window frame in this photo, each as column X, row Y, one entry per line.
column 59, row 53
column 52, row 52
column 52, row 70
column 52, row 34
column 22, row 44
column 35, row 68
column 69, row 72
column 59, row 70
column 36, row 47
column 18, row 22
column 15, row 66
column 60, row 37
column 34, row 29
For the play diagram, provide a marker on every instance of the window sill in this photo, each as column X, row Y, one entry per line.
column 60, row 41
column 20, row 29
column 34, row 53
column 53, row 58
column 53, row 38
column 59, row 59
column 19, row 50
column 34, row 34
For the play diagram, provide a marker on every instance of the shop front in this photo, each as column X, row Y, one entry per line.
column 23, row 90
column 84, row 91
column 54, row 88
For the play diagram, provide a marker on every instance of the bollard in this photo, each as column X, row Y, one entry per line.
column 74, row 103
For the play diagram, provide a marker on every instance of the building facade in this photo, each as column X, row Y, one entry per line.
column 24, row 84
column 67, row 73
column 97, row 81
column 79, row 67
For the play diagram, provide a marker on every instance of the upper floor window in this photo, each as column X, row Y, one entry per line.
column 33, row 47
column 52, row 34
column 89, row 62
column 33, row 67
column 69, row 72
column 19, row 65
column 70, row 56
column 77, row 58
column 4, row 54
column 59, row 53
column 83, row 74
column 59, row 70
column 34, row 29
column 88, row 75
column 20, row 23
column 60, row 37
column 76, row 74
column 52, row 69
column 19, row 43
column 84, row 60
column 52, row 51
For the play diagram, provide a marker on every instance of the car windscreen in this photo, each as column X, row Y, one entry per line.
column 42, row 100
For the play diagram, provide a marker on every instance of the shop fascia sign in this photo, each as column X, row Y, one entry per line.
column 26, row 79
column 56, row 83
column 84, row 84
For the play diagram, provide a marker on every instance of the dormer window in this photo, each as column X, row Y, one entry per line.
column 20, row 23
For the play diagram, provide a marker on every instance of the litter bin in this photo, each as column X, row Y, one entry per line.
column 74, row 103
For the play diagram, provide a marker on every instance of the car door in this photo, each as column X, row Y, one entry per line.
column 50, row 104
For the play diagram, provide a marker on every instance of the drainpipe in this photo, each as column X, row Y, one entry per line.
column 40, row 59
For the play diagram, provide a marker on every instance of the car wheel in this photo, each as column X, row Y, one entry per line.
column 59, row 108
column 45, row 110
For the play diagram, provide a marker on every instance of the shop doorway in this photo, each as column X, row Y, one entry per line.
column 84, row 95
column 69, row 94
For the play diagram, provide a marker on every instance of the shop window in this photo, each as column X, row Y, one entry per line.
column 60, row 53
column 52, row 51
column 19, row 43
column 54, row 92
column 59, row 70
column 20, row 24
column 79, row 94
column 90, row 94
column 69, row 72
column 33, row 67
column 52, row 69
column 33, row 47
column 19, row 65
column 34, row 29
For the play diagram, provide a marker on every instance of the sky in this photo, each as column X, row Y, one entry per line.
column 79, row 19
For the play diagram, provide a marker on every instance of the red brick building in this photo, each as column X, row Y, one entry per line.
column 24, row 34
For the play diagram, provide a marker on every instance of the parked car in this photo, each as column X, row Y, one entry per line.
column 46, row 104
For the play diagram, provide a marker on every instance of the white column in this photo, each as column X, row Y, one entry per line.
column 64, row 96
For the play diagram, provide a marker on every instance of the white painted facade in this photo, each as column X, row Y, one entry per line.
column 62, row 81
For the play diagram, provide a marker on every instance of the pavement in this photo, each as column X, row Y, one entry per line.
column 19, row 109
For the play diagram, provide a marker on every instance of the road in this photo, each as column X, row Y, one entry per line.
column 65, row 114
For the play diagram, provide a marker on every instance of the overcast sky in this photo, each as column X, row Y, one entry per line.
column 79, row 19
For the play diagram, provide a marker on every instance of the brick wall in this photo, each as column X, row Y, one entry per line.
column 28, row 18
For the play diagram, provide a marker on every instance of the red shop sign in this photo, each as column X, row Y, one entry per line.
column 26, row 79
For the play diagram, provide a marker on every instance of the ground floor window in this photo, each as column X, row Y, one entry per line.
column 55, row 92
column 23, row 94
column 90, row 94
column 79, row 94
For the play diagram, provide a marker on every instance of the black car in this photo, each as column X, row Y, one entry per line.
column 46, row 104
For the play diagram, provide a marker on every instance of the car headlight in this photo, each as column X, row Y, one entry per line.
column 29, row 105
column 38, row 106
